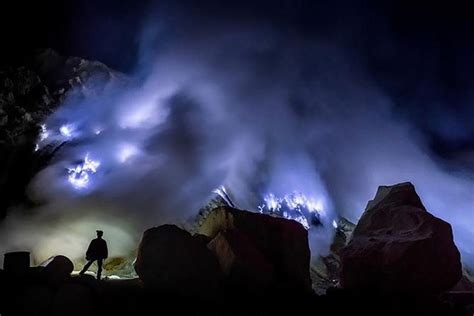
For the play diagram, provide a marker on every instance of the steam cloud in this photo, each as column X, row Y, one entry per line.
column 254, row 109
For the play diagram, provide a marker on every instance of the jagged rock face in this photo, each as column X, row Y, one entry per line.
column 325, row 270
column 63, row 74
column 282, row 244
column 171, row 259
column 398, row 246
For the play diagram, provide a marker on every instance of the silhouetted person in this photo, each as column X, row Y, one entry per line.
column 97, row 251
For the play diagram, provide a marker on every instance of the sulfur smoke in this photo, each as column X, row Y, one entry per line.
column 254, row 108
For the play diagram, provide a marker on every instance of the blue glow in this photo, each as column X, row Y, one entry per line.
column 67, row 130
column 126, row 152
column 79, row 176
column 295, row 206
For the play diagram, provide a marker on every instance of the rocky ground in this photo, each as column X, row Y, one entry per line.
column 398, row 259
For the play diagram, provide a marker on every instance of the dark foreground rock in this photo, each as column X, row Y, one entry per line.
column 398, row 246
column 171, row 259
column 57, row 269
column 244, row 266
column 17, row 263
column 325, row 270
column 276, row 245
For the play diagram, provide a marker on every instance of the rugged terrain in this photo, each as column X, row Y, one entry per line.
column 398, row 259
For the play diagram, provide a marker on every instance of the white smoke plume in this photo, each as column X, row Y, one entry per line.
column 256, row 109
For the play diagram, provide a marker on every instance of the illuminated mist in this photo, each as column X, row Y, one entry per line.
column 273, row 117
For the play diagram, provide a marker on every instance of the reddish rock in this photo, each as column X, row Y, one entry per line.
column 171, row 259
column 241, row 262
column 399, row 246
column 282, row 243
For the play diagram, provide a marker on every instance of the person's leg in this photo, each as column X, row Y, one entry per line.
column 86, row 267
column 99, row 268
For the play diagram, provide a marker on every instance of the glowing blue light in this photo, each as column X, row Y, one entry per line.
column 79, row 176
column 97, row 131
column 43, row 133
column 222, row 192
column 126, row 152
column 295, row 206
column 67, row 130
column 272, row 203
column 334, row 224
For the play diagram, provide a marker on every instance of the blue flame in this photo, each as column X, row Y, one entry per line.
column 79, row 176
column 295, row 206
column 67, row 130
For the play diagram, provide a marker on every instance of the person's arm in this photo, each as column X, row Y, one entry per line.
column 106, row 251
column 88, row 252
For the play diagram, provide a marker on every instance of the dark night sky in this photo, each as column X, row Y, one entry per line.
column 420, row 52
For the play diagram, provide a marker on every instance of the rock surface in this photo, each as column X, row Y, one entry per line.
column 325, row 270
column 399, row 246
column 242, row 263
column 282, row 243
column 171, row 259
column 57, row 269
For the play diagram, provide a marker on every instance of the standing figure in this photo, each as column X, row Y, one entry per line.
column 97, row 251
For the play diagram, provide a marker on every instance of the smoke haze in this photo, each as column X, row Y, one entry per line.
column 242, row 104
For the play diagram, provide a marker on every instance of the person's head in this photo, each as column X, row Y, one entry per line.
column 99, row 233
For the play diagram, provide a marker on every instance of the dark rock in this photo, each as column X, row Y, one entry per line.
column 62, row 73
column 33, row 300
column 17, row 263
column 398, row 246
column 283, row 243
column 171, row 259
column 465, row 284
column 57, row 269
column 86, row 280
column 74, row 299
column 245, row 267
column 325, row 270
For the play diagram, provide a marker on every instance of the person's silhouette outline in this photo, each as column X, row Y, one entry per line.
column 97, row 251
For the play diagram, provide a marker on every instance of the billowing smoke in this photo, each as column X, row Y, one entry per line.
column 261, row 111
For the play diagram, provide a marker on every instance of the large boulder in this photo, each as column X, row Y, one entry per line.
column 57, row 269
column 282, row 243
column 242, row 263
column 398, row 246
column 171, row 259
